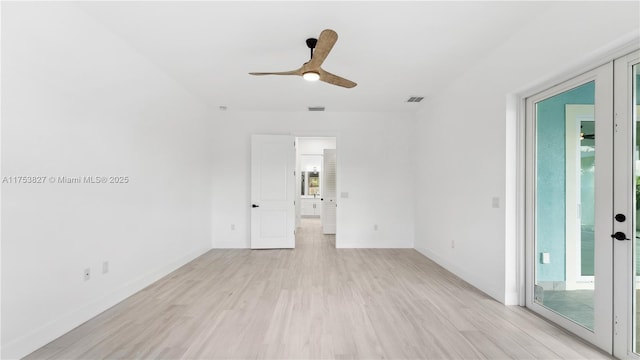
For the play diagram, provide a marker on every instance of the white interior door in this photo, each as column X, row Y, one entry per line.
column 569, row 212
column 272, row 191
column 329, row 187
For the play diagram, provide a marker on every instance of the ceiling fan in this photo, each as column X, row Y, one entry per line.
column 584, row 136
column 311, row 70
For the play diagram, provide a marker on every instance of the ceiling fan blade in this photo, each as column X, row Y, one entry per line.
column 326, row 40
column 292, row 72
column 335, row 79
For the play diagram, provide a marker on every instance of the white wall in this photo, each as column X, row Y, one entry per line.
column 79, row 102
column 461, row 141
column 315, row 145
column 374, row 167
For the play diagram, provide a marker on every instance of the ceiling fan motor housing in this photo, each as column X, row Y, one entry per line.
column 311, row 42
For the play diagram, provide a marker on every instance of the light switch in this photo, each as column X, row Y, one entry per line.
column 344, row 195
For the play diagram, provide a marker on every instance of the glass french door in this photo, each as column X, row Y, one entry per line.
column 582, row 202
column 626, row 194
column 570, row 180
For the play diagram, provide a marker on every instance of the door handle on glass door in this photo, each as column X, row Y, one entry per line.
column 254, row 205
column 620, row 236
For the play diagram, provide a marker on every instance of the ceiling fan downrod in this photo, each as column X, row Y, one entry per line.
column 311, row 43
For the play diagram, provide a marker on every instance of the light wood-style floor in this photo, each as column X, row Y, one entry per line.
column 315, row 302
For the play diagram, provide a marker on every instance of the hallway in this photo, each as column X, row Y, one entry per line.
column 310, row 235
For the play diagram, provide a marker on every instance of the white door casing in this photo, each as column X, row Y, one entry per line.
column 272, row 191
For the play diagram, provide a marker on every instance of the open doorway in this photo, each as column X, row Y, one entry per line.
column 316, row 187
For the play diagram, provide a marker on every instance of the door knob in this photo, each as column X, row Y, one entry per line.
column 620, row 217
column 254, row 205
column 620, row 236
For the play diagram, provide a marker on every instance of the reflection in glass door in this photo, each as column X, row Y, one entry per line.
column 565, row 203
column 570, row 164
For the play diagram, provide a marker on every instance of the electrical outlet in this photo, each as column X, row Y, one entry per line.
column 453, row 244
column 375, row 227
column 545, row 258
column 105, row 267
column 233, row 226
column 87, row 274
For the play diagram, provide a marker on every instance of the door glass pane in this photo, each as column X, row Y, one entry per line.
column 636, row 158
column 565, row 193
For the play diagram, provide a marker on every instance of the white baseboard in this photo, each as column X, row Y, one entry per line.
column 229, row 245
column 472, row 279
column 67, row 322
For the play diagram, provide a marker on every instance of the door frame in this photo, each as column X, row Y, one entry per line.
column 328, row 134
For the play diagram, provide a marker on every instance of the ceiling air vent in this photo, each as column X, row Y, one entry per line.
column 316, row 108
column 415, row 99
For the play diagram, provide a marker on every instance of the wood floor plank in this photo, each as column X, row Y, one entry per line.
column 315, row 302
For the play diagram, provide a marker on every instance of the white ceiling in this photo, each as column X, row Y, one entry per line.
column 393, row 50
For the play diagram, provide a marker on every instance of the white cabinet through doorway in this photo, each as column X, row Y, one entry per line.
column 310, row 207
